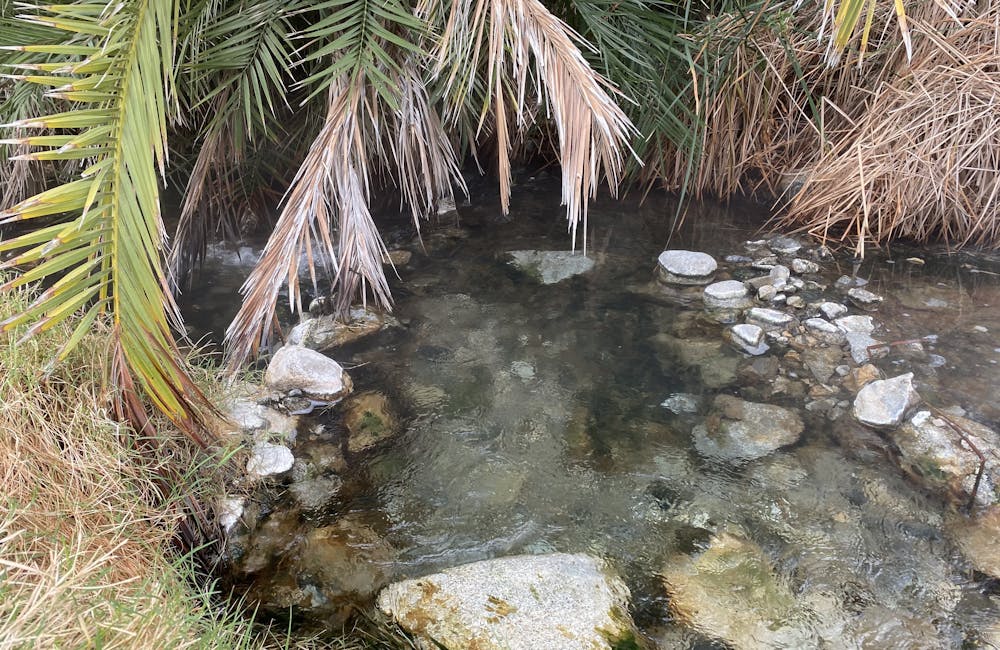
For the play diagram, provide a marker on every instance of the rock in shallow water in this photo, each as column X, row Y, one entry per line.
column 769, row 319
column 749, row 338
column 267, row 459
column 729, row 592
column 557, row 601
column 550, row 267
column 884, row 403
column 325, row 332
column 686, row 267
column 739, row 430
column 728, row 294
column 319, row 377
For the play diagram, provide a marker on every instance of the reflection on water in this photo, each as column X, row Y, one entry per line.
column 534, row 424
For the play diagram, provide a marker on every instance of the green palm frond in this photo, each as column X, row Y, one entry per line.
column 99, row 248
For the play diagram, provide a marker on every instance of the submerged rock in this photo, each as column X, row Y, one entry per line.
column 319, row 377
column 686, row 267
column 369, row 419
column 681, row 403
column 749, row 338
column 932, row 450
column 729, row 592
column 884, row 403
column 784, row 245
column 978, row 538
column 326, row 332
column 739, row 430
column 254, row 419
column 527, row 602
column 550, row 267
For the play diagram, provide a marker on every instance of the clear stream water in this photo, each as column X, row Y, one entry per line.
column 533, row 420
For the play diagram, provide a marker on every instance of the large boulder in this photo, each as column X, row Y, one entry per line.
column 556, row 601
column 740, row 430
column 884, row 403
column 933, row 450
column 729, row 592
column 319, row 377
column 550, row 267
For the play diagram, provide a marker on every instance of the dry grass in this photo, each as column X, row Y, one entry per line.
column 85, row 527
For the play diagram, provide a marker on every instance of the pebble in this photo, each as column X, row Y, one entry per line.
column 796, row 302
column 767, row 293
column 800, row 265
column 980, row 329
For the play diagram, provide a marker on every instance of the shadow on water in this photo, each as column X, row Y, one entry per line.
column 531, row 422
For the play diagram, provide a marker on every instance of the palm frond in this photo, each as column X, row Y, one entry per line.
column 101, row 255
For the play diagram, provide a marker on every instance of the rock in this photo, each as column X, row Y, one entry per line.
column 779, row 276
column 523, row 369
column 523, row 602
column 550, row 267
column 686, row 267
column 681, row 403
column 729, row 592
column 935, row 452
column 884, row 403
column 856, row 378
column 228, row 512
column 738, row 430
column 978, row 538
column 728, row 294
column 325, row 332
column 784, row 245
column 319, row 377
column 267, row 459
column 881, row 627
column 315, row 493
column 822, row 362
column 369, row 419
column 801, row 266
column 864, row 299
column 398, row 257
column 748, row 338
column 825, row 331
column 769, row 319
column 766, row 293
column 833, row 310
column 257, row 420
column 795, row 302
column 861, row 324
column 860, row 345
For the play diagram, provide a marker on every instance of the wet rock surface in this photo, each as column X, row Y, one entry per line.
column 516, row 603
column 326, row 332
column 686, row 267
column 885, row 402
column 550, row 267
column 740, row 430
column 295, row 368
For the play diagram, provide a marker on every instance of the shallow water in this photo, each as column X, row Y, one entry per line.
column 533, row 422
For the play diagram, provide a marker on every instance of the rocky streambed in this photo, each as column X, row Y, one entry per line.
column 738, row 442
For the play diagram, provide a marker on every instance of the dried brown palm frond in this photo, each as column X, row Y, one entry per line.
column 522, row 43
column 924, row 161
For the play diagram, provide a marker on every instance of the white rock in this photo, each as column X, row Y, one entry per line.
column 769, row 319
column 316, row 375
column 681, row 403
column 767, row 293
column 884, row 403
column 686, row 267
column 253, row 418
column 824, row 330
column 783, row 245
column 864, row 298
column 860, row 344
column 267, row 459
column 743, row 430
column 530, row 602
column 833, row 310
column 728, row 294
column 800, row 265
column 228, row 512
column 749, row 338
column 862, row 324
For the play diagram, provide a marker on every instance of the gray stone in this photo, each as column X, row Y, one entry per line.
column 550, row 267
column 800, row 265
column 681, row 403
column 228, row 512
column 864, row 299
column 325, row 332
column 784, row 245
column 267, row 459
column 686, row 267
column 824, row 331
column 795, row 302
column 728, row 294
column 769, row 319
column 862, row 324
column 749, row 338
column 822, row 362
column 860, row 344
column 527, row 602
column 255, row 419
column 885, row 402
column 317, row 492
column 767, row 293
column 319, row 377
column 931, row 449
column 833, row 310
column 738, row 430
column 779, row 275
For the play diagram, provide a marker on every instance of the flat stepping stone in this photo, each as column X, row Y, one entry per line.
column 686, row 267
